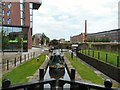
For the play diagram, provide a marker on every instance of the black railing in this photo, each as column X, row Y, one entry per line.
column 57, row 84
column 74, row 85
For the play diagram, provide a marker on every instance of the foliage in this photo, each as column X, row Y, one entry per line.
column 44, row 39
column 54, row 42
column 33, row 37
column 98, row 40
column 19, row 40
column 5, row 40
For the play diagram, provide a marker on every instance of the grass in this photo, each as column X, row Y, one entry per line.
column 20, row 74
column 112, row 57
column 84, row 70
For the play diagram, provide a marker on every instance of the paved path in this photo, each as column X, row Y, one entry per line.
column 13, row 54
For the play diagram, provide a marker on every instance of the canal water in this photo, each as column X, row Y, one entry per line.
column 65, row 77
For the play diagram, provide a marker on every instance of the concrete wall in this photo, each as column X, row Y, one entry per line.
column 107, row 47
column 107, row 69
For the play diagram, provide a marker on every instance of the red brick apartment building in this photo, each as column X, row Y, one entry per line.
column 17, row 20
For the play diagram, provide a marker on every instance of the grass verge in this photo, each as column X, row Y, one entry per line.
column 20, row 73
column 85, row 71
column 111, row 57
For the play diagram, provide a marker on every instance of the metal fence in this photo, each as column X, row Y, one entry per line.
column 98, row 56
column 57, row 84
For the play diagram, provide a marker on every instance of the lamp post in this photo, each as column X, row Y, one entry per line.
column 21, row 44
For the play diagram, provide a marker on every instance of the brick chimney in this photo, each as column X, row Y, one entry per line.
column 85, row 31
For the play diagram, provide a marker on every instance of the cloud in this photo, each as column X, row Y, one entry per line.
column 62, row 19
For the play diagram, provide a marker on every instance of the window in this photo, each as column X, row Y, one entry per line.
column 3, row 12
column 8, row 13
column 16, row 29
column 9, row 21
column 9, row 29
column 3, row 4
column 31, row 24
column 31, row 12
column 21, row 6
column 5, row 30
column 31, row 18
column 3, row 20
column 9, row 5
column 21, row 21
column 31, row 5
column 0, row 21
column 21, row 14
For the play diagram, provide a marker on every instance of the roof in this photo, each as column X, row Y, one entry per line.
column 36, row 4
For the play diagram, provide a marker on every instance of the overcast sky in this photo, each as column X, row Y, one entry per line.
column 65, row 18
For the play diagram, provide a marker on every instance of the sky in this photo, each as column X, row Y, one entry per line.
column 64, row 18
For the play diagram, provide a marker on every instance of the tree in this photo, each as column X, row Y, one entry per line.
column 19, row 40
column 33, row 37
column 44, row 39
column 54, row 42
column 5, row 40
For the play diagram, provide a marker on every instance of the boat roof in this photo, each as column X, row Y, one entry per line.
column 57, row 52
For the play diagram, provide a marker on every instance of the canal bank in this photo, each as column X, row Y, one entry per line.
column 69, row 67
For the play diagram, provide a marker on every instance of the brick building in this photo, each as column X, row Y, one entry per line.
column 112, row 35
column 15, row 17
column 105, row 36
column 77, row 38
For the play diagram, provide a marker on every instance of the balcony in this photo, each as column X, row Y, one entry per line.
column 37, row 4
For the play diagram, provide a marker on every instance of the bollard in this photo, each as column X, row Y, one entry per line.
column 93, row 54
column 31, row 55
column 15, row 62
column 41, row 74
column 72, row 76
column 117, row 61
column 41, row 77
column 108, row 83
column 106, row 57
column 5, row 83
column 98, row 55
column 72, row 55
column 20, row 59
column 28, row 56
column 7, row 64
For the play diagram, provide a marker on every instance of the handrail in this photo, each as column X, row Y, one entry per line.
column 29, row 84
column 73, row 85
column 84, row 86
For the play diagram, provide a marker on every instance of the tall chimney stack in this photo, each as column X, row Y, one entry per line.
column 85, row 31
column 85, row 27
